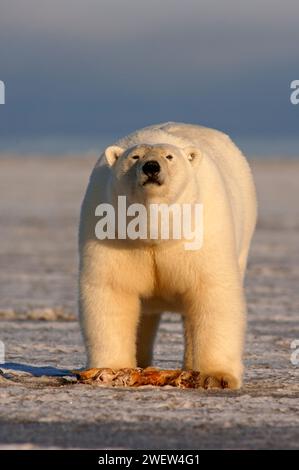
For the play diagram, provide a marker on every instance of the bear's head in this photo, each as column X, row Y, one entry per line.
column 146, row 173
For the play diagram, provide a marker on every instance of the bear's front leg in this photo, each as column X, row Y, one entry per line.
column 109, row 321
column 216, row 318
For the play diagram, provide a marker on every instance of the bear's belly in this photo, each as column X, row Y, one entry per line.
column 155, row 305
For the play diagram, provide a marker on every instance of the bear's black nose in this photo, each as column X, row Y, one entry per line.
column 151, row 168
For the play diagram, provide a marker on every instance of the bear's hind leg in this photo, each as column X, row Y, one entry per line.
column 188, row 349
column 147, row 330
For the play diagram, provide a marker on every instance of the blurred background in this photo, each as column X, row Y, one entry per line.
column 80, row 74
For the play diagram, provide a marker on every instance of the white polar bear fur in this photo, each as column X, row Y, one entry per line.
column 125, row 287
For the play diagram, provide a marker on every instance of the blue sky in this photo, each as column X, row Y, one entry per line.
column 78, row 73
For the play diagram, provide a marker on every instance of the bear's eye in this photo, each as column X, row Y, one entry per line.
column 135, row 157
column 169, row 157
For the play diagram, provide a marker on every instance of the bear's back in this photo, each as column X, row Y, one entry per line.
column 231, row 163
column 214, row 144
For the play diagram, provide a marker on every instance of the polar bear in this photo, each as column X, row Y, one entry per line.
column 125, row 285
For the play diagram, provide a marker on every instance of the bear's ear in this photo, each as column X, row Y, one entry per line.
column 194, row 155
column 112, row 153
